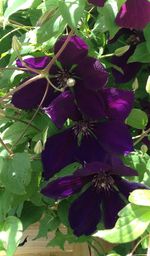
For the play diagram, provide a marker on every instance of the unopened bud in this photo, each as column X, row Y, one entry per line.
column 120, row 51
column 135, row 84
column 16, row 45
column 70, row 82
column 38, row 147
column 144, row 148
column 148, row 85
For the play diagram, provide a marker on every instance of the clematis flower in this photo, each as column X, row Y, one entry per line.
column 75, row 71
column 129, row 70
column 134, row 14
column 87, row 140
column 102, row 199
column 99, row 3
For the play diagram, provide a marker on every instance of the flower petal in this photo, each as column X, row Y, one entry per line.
column 31, row 95
column 129, row 69
column 34, row 62
column 126, row 187
column 119, row 103
column 90, row 150
column 134, row 14
column 59, row 151
column 118, row 168
column 92, row 72
column 84, row 213
column 112, row 204
column 99, row 3
column 64, row 187
column 115, row 137
column 74, row 51
column 90, row 103
column 61, row 108
column 92, row 168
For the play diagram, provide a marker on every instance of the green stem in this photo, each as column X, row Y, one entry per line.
column 142, row 136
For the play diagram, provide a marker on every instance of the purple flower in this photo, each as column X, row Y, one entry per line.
column 99, row 3
column 134, row 14
column 101, row 198
column 87, row 140
column 75, row 72
column 129, row 70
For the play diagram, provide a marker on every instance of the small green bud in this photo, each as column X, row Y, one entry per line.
column 148, row 85
column 16, row 45
column 144, row 148
column 135, row 84
column 38, row 147
column 70, row 82
column 120, row 51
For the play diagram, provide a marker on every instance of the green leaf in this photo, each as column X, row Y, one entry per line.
column 141, row 54
column 147, row 36
column 16, row 173
column 13, row 132
column 10, row 234
column 53, row 27
column 67, row 170
column 58, row 240
column 72, row 11
column 6, row 199
column 137, row 119
column 140, row 197
column 30, row 214
column 133, row 221
column 16, row 5
column 110, row 10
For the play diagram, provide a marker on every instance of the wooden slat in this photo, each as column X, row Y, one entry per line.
column 38, row 247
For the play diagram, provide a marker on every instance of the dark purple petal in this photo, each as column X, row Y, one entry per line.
column 74, row 51
column 118, row 168
column 59, row 151
column 90, row 103
column 90, row 150
column 126, row 187
column 112, row 204
column 84, row 213
column 64, row 187
column 119, row 103
column 92, row 72
column 31, row 95
column 99, row 3
column 115, row 137
column 129, row 70
column 134, row 14
column 34, row 62
column 92, row 168
column 61, row 108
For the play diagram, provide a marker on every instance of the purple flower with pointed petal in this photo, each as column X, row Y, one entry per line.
column 99, row 3
column 134, row 14
column 75, row 70
column 105, row 187
column 129, row 70
column 86, row 141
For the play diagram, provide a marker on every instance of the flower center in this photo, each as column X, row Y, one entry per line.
column 103, row 181
column 83, row 128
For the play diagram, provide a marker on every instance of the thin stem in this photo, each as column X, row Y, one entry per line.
column 142, row 136
column 9, row 33
column 57, row 89
column 94, row 248
column 13, row 68
column 29, row 81
column 10, row 152
column 36, row 112
column 136, row 246
column 48, row 67
column 106, row 55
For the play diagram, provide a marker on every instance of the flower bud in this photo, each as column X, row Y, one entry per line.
column 38, row 147
column 120, row 51
column 135, row 85
column 148, row 85
column 16, row 45
column 70, row 82
column 144, row 148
